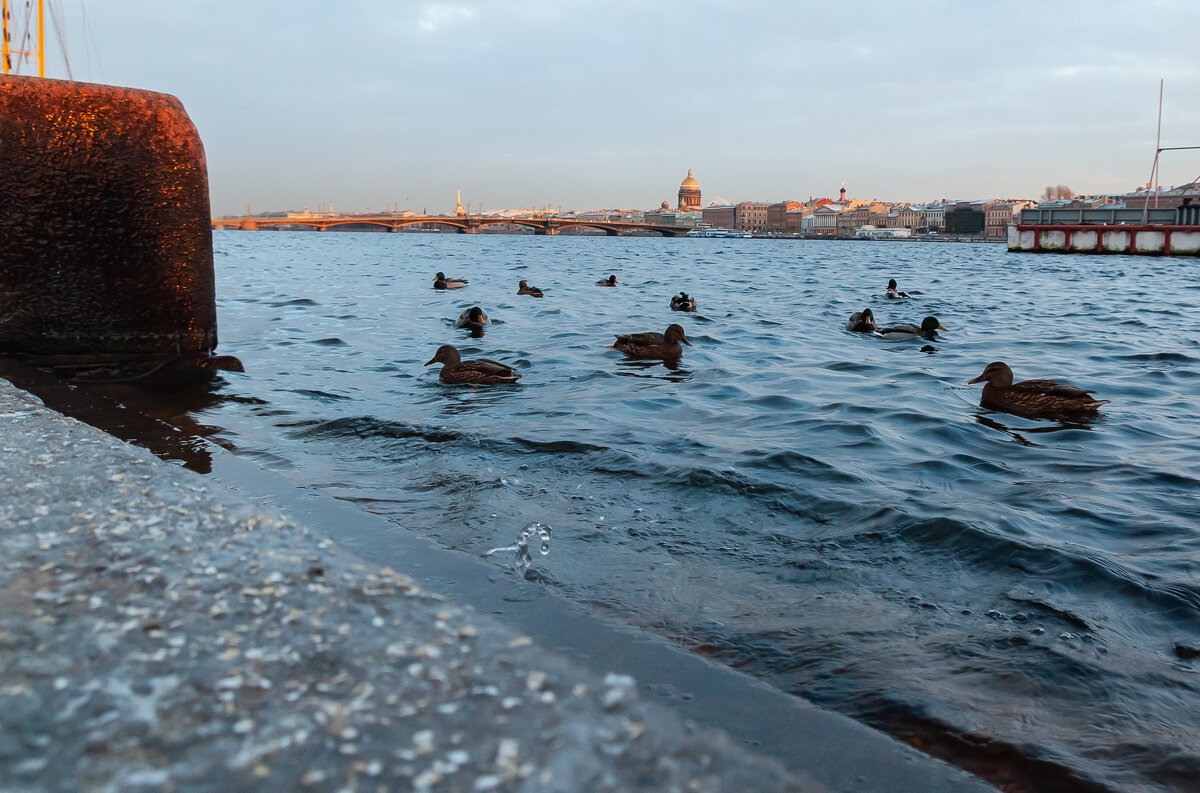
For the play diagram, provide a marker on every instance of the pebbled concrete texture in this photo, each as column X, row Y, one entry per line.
column 159, row 634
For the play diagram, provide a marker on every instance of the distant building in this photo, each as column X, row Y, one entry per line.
column 689, row 194
column 777, row 215
column 719, row 216
column 825, row 219
column 1164, row 197
column 966, row 217
column 933, row 217
column 793, row 220
column 750, row 216
column 997, row 217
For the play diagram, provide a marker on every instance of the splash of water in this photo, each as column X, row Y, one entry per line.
column 533, row 532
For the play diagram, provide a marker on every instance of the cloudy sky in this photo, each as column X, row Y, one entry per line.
column 367, row 104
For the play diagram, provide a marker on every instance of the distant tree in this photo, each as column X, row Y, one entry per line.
column 1057, row 191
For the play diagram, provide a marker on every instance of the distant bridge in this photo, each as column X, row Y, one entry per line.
column 464, row 224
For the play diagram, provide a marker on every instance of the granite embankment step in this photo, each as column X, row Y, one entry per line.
column 160, row 632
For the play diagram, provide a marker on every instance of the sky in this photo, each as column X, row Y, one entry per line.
column 375, row 104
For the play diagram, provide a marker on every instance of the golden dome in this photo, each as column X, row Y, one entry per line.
column 689, row 181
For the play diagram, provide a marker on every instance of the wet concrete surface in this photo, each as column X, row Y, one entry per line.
column 159, row 631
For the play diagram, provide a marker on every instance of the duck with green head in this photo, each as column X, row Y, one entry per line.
column 473, row 319
column 926, row 330
column 440, row 281
column 893, row 292
column 1033, row 398
column 861, row 321
column 610, row 281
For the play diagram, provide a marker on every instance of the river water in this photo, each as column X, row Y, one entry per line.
column 830, row 512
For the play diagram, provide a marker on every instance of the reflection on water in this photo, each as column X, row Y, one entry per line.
column 831, row 513
column 1018, row 435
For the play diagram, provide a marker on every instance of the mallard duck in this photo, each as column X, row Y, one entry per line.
column 652, row 345
column 525, row 289
column 893, row 292
column 440, row 281
column 610, row 281
column 682, row 302
column 861, row 321
column 1031, row 397
column 472, row 319
column 479, row 371
column 928, row 330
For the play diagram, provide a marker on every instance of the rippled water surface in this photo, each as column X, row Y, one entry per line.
column 830, row 512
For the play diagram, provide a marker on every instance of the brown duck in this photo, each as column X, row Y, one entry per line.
column 1031, row 397
column 652, row 345
column 526, row 289
column 478, row 371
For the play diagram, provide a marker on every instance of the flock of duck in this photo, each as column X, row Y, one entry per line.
column 1032, row 398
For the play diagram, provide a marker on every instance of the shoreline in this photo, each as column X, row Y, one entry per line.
column 164, row 630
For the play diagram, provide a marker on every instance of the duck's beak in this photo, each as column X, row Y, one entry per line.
column 431, row 360
column 685, row 341
column 939, row 327
column 976, row 380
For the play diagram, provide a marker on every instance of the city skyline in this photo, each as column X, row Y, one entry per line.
column 531, row 104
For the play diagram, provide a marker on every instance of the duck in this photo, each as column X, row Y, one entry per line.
column 682, row 302
column 861, row 321
column 473, row 319
column 652, row 345
column 525, row 289
column 477, row 371
column 440, row 281
column 893, row 292
column 927, row 330
column 1031, row 397
column 610, row 281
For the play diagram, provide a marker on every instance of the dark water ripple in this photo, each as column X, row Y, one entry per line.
column 830, row 512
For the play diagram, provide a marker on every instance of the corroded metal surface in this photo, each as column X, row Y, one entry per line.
column 107, row 252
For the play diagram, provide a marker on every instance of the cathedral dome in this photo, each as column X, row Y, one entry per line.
column 690, row 181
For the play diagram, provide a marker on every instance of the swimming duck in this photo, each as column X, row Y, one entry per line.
column 928, row 330
column 652, row 345
column 682, row 302
column 893, row 292
column 472, row 319
column 478, row 371
column 1031, row 397
column 610, row 281
column 440, row 281
column 861, row 321
column 526, row 289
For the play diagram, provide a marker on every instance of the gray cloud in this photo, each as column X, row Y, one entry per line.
column 589, row 104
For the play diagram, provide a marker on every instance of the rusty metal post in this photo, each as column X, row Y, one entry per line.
column 107, row 262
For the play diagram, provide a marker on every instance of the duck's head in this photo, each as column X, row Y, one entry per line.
column 523, row 285
column 931, row 323
column 892, row 284
column 476, row 315
column 996, row 373
column 612, row 279
column 440, row 277
column 868, row 317
column 446, row 354
column 675, row 333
